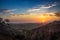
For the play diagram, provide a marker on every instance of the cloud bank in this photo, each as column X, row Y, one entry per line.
column 6, row 11
column 32, row 15
column 42, row 8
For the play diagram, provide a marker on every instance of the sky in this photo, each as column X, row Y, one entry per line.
column 30, row 11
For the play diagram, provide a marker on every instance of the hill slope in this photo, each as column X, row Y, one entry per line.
column 50, row 31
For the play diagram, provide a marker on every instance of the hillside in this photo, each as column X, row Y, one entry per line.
column 50, row 31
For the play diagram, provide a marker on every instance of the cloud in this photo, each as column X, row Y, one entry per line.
column 6, row 11
column 49, row 6
column 42, row 8
column 57, row 14
column 33, row 9
column 27, row 18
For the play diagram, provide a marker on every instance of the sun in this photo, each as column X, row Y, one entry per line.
column 44, row 18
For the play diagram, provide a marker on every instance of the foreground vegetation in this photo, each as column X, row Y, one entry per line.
column 50, row 31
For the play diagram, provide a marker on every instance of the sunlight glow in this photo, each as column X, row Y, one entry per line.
column 43, row 18
column 35, row 18
column 47, row 17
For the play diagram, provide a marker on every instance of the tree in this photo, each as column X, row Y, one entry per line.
column 6, row 20
column 1, row 19
column 5, row 29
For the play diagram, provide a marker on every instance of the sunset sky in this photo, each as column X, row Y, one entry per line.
column 30, row 11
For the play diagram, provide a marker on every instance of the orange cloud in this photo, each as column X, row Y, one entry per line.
column 35, row 18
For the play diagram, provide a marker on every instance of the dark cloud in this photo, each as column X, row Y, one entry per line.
column 57, row 14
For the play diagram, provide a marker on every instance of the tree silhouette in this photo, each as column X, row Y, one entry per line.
column 7, row 20
column 1, row 19
column 4, row 28
column 2, row 23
